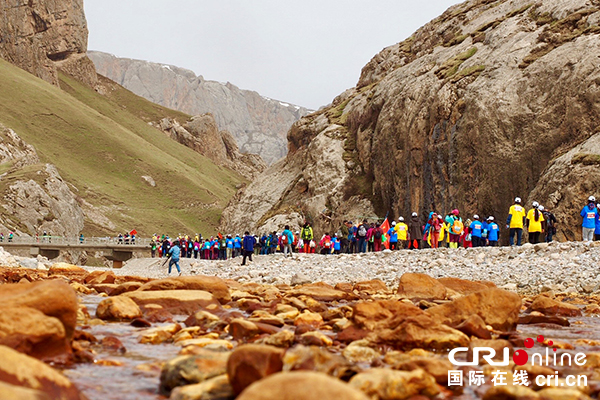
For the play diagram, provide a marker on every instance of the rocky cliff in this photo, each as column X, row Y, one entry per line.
column 35, row 198
column 259, row 125
column 202, row 135
column 492, row 100
column 42, row 36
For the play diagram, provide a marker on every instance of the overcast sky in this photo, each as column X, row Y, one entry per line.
column 303, row 52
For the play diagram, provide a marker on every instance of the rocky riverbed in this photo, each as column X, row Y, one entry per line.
column 375, row 326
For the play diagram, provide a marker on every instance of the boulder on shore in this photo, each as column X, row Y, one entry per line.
column 212, row 284
column 301, row 385
column 54, row 298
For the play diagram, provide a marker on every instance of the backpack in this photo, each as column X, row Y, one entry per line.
column 457, row 227
column 327, row 244
column 362, row 231
column 284, row 239
column 378, row 234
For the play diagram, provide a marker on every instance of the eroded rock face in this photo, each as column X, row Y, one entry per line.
column 258, row 124
column 43, row 36
column 468, row 112
column 202, row 135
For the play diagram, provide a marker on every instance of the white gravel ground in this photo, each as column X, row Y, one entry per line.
column 563, row 267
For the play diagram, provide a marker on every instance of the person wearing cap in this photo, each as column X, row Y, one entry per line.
column 393, row 236
column 493, row 232
column 415, row 232
column 402, row 231
column 455, row 228
column 287, row 238
column 515, row 222
column 535, row 218
column 477, row 232
column 590, row 217
column 549, row 224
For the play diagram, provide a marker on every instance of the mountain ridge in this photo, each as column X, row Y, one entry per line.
column 259, row 124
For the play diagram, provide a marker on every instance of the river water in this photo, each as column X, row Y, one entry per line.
column 137, row 375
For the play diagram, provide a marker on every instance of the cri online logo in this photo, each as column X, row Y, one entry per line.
column 520, row 357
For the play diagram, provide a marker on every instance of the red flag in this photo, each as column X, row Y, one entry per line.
column 385, row 227
column 219, row 235
column 133, row 232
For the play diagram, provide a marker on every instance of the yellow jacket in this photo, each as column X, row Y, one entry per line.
column 402, row 231
column 517, row 212
column 535, row 226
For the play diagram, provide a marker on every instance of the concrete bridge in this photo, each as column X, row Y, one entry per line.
column 51, row 247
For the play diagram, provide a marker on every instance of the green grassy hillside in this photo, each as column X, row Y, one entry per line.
column 103, row 146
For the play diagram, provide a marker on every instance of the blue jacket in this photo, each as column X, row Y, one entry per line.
column 229, row 243
column 493, row 232
column 175, row 251
column 237, row 242
column 393, row 235
column 337, row 245
column 597, row 231
column 249, row 243
column 476, row 228
column 590, row 216
column 290, row 235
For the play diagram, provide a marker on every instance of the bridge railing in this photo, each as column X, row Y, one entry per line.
column 66, row 240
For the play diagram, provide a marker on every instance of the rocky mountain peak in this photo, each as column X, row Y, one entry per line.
column 43, row 36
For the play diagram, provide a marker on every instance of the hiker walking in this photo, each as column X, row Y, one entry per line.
column 515, row 222
column 343, row 237
column 415, row 232
column 590, row 217
column 534, row 223
column 435, row 227
column 287, row 238
column 393, row 236
column 361, row 234
column 377, row 236
column 307, row 235
column 174, row 253
column 477, row 232
column 455, row 228
column 248, row 247
column 549, row 224
column 325, row 244
column 493, row 232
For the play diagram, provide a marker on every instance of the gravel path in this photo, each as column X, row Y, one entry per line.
column 564, row 267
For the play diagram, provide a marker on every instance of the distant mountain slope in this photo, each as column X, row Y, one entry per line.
column 258, row 124
column 122, row 172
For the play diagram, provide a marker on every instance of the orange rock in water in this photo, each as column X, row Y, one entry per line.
column 118, row 308
column 54, row 298
column 216, row 286
column 550, row 306
column 20, row 370
column 32, row 332
column 100, row 277
column 301, row 385
column 464, row 286
column 375, row 286
column 250, row 363
column 421, row 286
column 498, row 308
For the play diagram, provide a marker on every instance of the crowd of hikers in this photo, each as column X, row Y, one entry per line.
column 437, row 230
